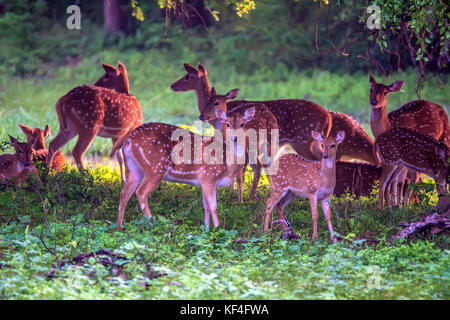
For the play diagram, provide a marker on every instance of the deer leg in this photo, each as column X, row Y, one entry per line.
column 414, row 177
column 314, row 212
column 119, row 156
column 288, row 233
column 132, row 181
column 327, row 212
column 384, row 183
column 210, row 205
column 275, row 197
column 84, row 141
column 148, row 184
column 402, row 181
column 257, row 175
column 284, row 201
column 240, row 184
column 60, row 141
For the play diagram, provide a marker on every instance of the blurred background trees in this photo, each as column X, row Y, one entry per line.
column 250, row 35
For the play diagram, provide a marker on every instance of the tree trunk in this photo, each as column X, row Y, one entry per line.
column 113, row 16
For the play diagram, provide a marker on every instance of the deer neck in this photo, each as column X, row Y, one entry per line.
column 328, row 172
column 203, row 93
column 39, row 144
column 379, row 121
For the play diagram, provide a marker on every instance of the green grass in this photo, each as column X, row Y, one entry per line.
column 171, row 257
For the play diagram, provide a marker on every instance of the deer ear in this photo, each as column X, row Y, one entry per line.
column 47, row 132
column 109, row 68
column 213, row 91
column 221, row 115
column 12, row 139
column 190, row 69
column 395, row 86
column 26, row 129
column 122, row 67
column 340, row 137
column 317, row 136
column 372, row 79
column 201, row 68
column 249, row 114
column 232, row 94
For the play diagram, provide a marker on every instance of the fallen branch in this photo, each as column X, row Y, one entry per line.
column 435, row 223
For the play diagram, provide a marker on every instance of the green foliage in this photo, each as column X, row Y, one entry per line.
column 171, row 257
column 425, row 23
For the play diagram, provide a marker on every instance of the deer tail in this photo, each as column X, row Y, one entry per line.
column 119, row 144
column 60, row 113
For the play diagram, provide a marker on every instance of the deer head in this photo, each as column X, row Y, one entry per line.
column 37, row 135
column 24, row 151
column 235, row 123
column 217, row 101
column 328, row 145
column 114, row 78
column 192, row 80
column 379, row 92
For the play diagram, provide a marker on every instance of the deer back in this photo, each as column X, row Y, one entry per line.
column 412, row 149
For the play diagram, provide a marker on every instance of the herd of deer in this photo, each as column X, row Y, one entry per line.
column 411, row 140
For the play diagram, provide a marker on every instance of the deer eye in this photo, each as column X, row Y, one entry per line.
column 385, row 93
column 322, row 145
column 228, row 125
column 333, row 145
column 216, row 103
column 242, row 125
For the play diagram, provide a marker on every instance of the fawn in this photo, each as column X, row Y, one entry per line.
column 401, row 148
column 40, row 150
column 149, row 153
column 18, row 165
column 421, row 115
column 309, row 179
column 106, row 109
column 263, row 119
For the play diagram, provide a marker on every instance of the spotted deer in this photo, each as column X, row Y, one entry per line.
column 421, row 115
column 315, row 180
column 19, row 165
column 401, row 148
column 358, row 144
column 40, row 150
column 106, row 109
column 261, row 126
column 149, row 153
column 295, row 118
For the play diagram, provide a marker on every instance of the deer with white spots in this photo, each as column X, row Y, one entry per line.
column 358, row 144
column 421, row 115
column 20, row 164
column 295, row 118
column 262, row 125
column 106, row 109
column 314, row 180
column 149, row 153
column 40, row 150
column 401, row 148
